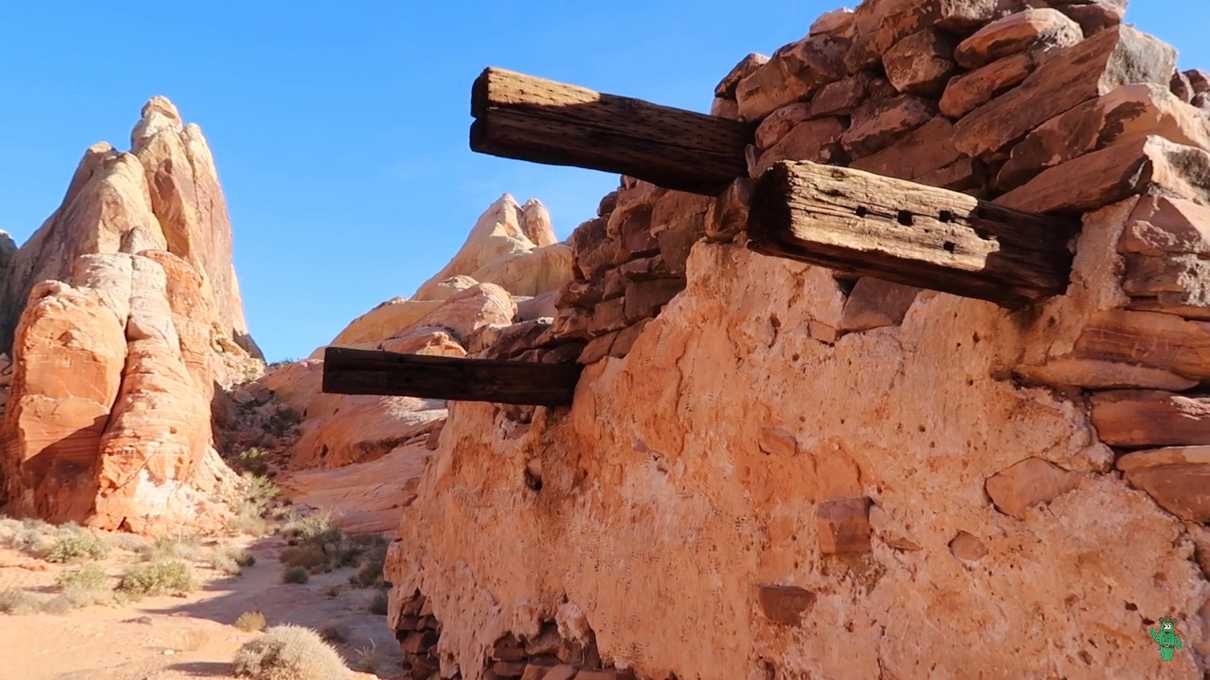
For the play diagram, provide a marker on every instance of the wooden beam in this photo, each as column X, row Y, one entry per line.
column 532, row 119
column 356, row 371
column 908, row 233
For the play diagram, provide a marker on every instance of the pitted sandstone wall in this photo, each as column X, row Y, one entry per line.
column 786, row 472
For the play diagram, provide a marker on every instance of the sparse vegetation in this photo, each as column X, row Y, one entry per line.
column 16, row 601
column 334, row 634
column 74, row 544
column 257, row 496
column 158, row 578
column 368, row 659
column 223, row 562
column 242, row 557
column 173, row 547
column 379, row 604
column 252, row 462
column 86, row 586
column 289, row 653
column 295, row 575
column 251, row 622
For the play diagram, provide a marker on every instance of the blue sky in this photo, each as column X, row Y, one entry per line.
column 340, row 129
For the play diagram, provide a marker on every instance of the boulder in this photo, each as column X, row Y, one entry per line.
column 1136, row 166
column 1131, row 111
column 746, row 66
column 916, row 154
column 780, row 122
column 794, row 72
column 1097, row 66
column 1151, row 418
column 1031, row 29
column 843, row 526
column 966, row 92
column 1178, row 478
column 878, row 123
column 1095, row 15
column 1031, row 482
column 785, row 605
column 874, row 303
column 838, row 22
column 921, row 63
column 842, row 96
column 810, row 140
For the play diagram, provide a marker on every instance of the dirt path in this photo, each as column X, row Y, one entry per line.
column 160, row 638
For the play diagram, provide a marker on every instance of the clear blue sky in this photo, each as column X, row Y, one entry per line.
column 340, row 129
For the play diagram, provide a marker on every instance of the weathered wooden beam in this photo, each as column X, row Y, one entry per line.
column 527, row 118
column 908, row 233
column 356, row 371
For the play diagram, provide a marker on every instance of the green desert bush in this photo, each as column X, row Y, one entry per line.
column 295, row 575
column 73, row 544
column 251, row 622
column 158, row 578
column 289, row 653
column 86, row 586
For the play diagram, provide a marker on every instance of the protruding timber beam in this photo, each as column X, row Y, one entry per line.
column 356, row 371
column 532, row 119
column 909, row 233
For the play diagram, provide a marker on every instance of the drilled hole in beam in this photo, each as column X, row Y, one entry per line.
column 950, row 247
column 861, row 211
column 905, row 218
column 946, row 216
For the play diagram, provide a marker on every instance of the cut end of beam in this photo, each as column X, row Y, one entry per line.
column 534, row 119
column 917, row 235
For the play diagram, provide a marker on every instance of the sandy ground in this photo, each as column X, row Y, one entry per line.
column 181, row 637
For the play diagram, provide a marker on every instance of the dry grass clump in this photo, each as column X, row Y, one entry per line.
column 368, row 659
column 254, row 506
column 173, row 548
column 289, row 653
column 251, row 622
column 169, row 577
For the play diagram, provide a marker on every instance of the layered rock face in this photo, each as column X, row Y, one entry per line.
column 774, row 471
column 127, row 318
column 505, row 276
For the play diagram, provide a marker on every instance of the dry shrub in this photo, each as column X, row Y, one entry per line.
column 86, row 586
column 289, row 653
column 379, row 604
column 251, row 622
column 15, row 601
column 74, row 544
column 295, row 575
column 158, row 578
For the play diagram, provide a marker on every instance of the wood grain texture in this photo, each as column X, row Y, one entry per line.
column 355, row 371
column 527, row 118
column 908, row 233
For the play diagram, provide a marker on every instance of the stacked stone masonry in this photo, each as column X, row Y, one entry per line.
column 1050, row 107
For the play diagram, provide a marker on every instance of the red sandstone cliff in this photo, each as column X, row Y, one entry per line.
column 771, row 471
column 125, row 316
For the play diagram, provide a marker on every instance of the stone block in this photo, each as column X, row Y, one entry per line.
column 815, row 140
column 785, row 605
column 843, row 526
column 1151, row 418
column 793, row 73
column 1031, row 29
column 921, row 63
column 877, row 123
column 924, row 150
column 1031, row 482
column 966, row 92
column 874, row 303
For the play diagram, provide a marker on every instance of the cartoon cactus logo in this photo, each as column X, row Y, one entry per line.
column 1166, row 638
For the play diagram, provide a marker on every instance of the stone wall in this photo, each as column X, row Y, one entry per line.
column 771, row 470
